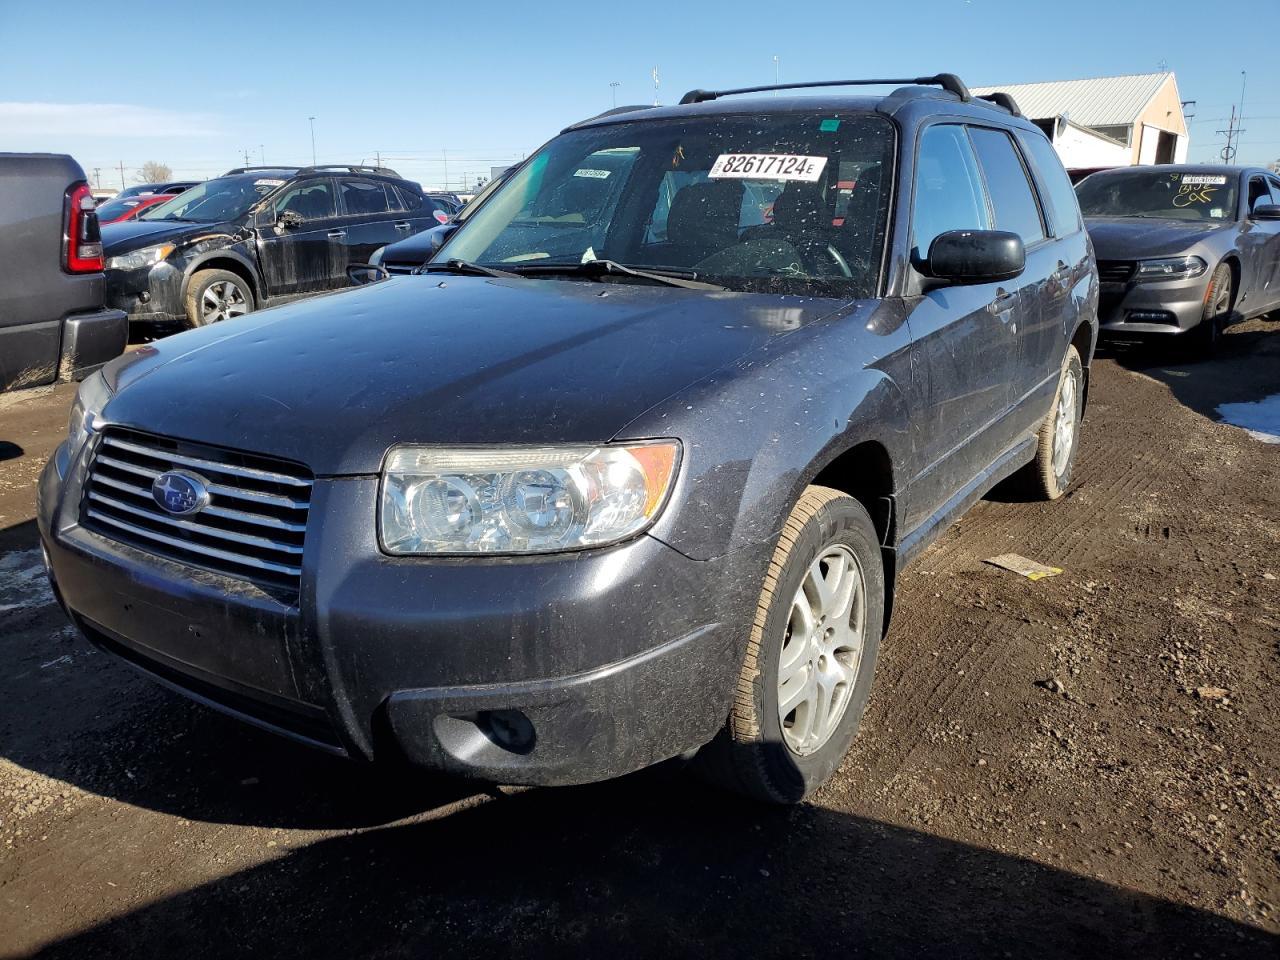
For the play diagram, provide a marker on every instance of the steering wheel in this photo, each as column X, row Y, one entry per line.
column 841, row 264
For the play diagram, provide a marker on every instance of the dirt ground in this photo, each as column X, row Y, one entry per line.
column 1087, row 765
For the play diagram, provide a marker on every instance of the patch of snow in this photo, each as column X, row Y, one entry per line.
column 1261, row 417
column 22, row 581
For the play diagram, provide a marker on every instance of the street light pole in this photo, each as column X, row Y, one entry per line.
column 313, row 140
column 777, row 72
column 614, row 85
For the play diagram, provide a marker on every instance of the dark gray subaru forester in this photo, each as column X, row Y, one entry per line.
column 627, row 472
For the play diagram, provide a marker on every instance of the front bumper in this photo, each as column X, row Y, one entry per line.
column 148, row 295
column 1165, row 307
column 549, row 670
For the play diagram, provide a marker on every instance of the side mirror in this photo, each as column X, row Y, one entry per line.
column 1266, row 211
column 361, row 274
column 436, row 236
column 288, row 219
column 976, row 256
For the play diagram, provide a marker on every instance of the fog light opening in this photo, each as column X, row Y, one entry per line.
column 509, row 729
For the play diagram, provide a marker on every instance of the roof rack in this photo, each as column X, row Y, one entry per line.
column 269, row 166
column 1002, row 99
column 350, row 167
column 948, row 81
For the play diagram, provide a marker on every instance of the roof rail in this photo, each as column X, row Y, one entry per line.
column 269, row 166
column 609, row 113
column 349, row 167
column 948, row 81
column 1002, row 99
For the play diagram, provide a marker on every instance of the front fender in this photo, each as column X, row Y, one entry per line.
column 757, row 434
column 220, row 246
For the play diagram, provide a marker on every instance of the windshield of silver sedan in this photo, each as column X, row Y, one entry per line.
column 1153, row 193
column 790, row 203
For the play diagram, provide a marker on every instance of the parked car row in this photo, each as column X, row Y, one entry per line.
column 626, row 472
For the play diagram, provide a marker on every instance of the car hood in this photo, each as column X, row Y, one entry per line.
column 118, row 238
column 335, row 381
column 1139, row 238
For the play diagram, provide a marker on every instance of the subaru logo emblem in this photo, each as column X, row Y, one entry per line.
column 179, row 493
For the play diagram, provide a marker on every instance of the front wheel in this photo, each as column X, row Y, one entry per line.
column 214, row 295
column 811, row 655
column 1202, row 340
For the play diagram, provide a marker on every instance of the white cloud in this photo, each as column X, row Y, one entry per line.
column 19, row 121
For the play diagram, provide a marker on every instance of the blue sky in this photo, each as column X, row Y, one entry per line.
column 467, row 86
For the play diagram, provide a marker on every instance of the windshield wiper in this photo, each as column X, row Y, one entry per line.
column 466, row 267
column 599, row 268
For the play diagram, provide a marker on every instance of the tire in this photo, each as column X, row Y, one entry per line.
column 1202, row 340
column 214, row 295
column 782, row 759
column 1049, row 475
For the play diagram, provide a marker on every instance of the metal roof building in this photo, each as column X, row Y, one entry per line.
column 1105, row 121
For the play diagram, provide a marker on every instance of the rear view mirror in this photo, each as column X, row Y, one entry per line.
column 976, row 256
column 436, row 236
column 1266, row 211
column 361, row 274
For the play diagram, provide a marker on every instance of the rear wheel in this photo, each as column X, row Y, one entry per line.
column 214, row 295
column 811, row 656
column 1049, row 474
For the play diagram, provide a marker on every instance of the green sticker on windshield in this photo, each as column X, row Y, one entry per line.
column 830, row 125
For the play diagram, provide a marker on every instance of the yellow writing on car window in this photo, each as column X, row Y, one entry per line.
column 1190, row 193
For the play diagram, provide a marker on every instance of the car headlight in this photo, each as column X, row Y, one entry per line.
column 85, row 411
column 138, row 259
column 521, row 500
column 1172, row 268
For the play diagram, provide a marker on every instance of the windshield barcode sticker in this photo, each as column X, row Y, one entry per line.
column 767, row 166
column 268, row 183
column 1188, row 179
column 593, row 174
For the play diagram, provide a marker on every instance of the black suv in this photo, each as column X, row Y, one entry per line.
column 256, row 237
column 627, row 472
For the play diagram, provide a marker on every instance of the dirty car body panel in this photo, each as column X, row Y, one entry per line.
column 610, row 657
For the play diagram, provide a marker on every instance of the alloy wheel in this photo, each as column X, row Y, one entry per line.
column 822, row 650
column 1065, row 420
column 222, row 300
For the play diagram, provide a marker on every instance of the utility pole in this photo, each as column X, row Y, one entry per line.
column 1232, row 133
column 655, row 86
column 121, row 174
column 445, row 154
column 97, row 178
column 262, row 152
column 313, row 140
column 777, row 72
column 614, row 85
column 246, row 157
column 378, row 157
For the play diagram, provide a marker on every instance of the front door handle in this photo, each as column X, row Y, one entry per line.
column 336, row 234
column 402, row 225
column 1002, row 302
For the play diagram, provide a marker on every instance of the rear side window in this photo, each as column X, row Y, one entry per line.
column 948, row 194
column 363, row 197
column 411, row 199
column 1059, row 194
column 1012, row 199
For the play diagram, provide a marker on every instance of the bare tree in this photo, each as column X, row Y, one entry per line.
column 153, row 172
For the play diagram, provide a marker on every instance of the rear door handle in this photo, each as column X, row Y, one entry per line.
column 337, row 234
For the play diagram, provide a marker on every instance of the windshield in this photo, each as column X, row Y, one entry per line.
column 793, row 203
column 1176, row 195
column 214, row 201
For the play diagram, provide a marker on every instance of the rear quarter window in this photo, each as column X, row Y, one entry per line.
column 1011, row 195
column 1055, row 186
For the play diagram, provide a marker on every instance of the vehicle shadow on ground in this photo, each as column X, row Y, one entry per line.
column 655, row 866
column 9, row 450
column 1245, row 368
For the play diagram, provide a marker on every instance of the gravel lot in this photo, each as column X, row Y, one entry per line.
column 1087, row 765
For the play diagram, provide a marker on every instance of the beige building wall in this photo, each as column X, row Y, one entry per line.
column 1164, row 112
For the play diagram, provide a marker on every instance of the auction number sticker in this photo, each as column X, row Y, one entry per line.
column 592, row 174
column 767, row 166
column 1203, row 181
